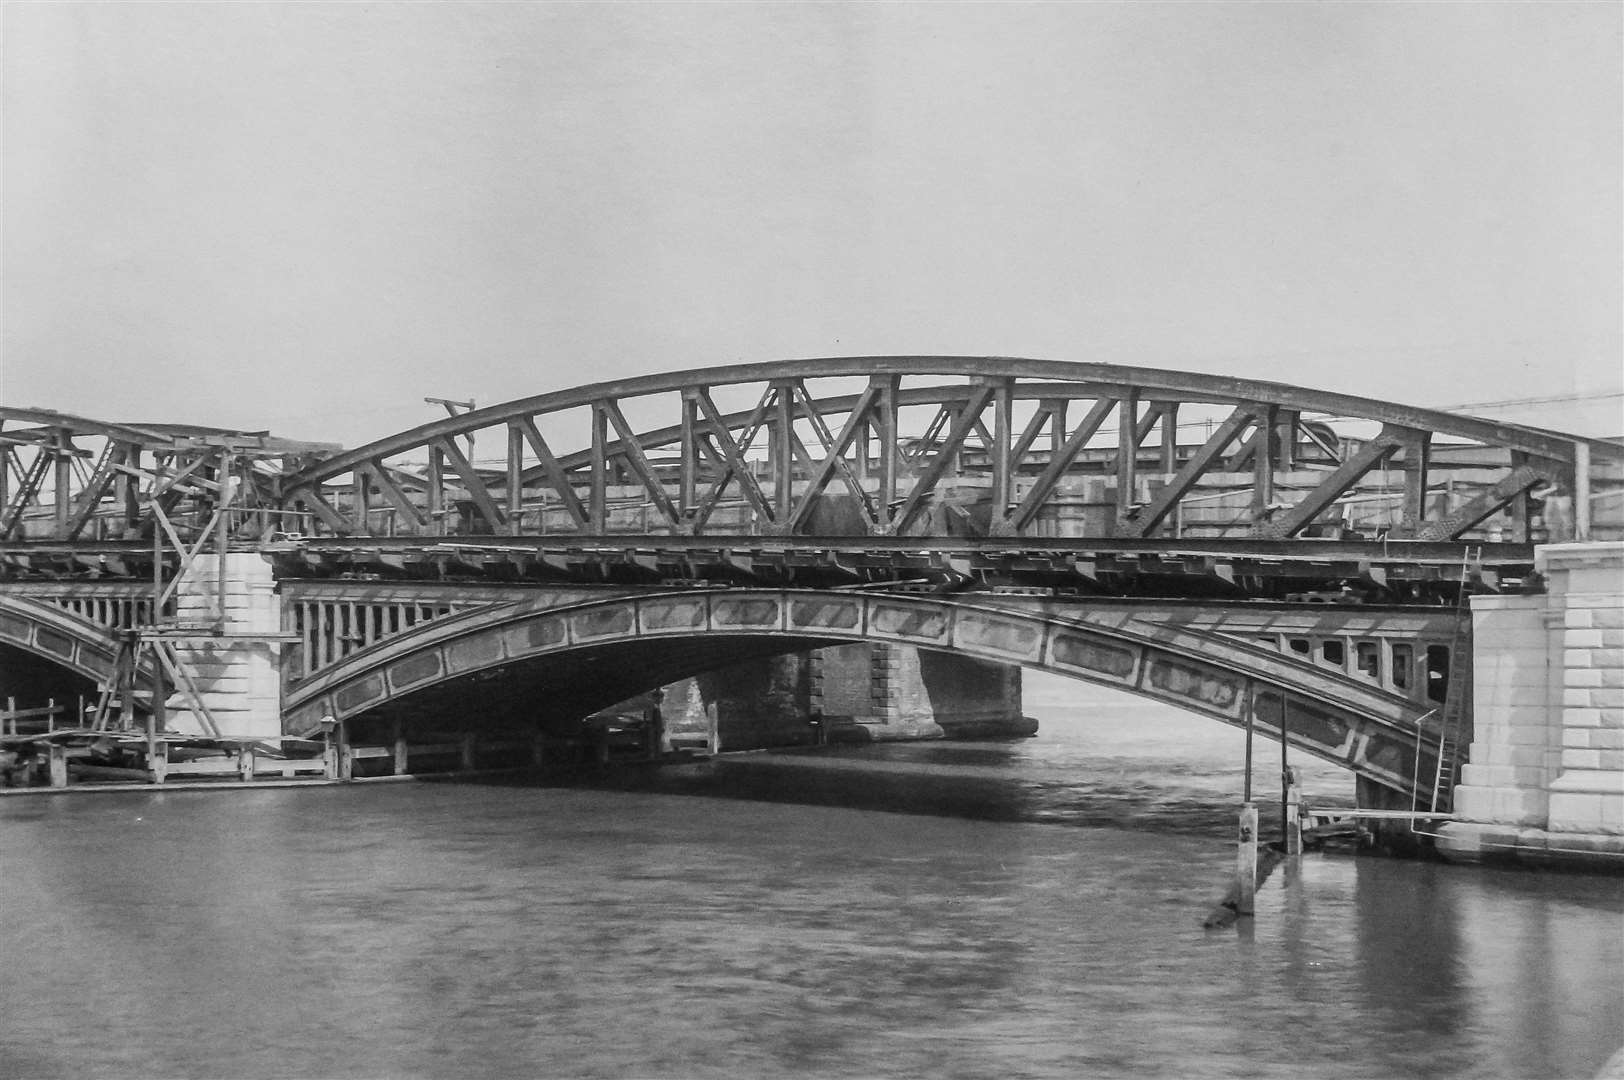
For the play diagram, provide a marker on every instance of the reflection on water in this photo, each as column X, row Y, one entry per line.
column 545, row 930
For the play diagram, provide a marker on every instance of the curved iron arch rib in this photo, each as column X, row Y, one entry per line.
column 821, row 445
column 1340, row 719
column 83, row 647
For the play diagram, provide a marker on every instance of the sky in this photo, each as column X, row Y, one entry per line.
column 308, row 217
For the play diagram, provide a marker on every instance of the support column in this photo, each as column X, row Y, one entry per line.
column 237, row 675
column 1544, row 779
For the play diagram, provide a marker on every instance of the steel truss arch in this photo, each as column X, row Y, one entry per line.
column 1016, row 447
column 1338, row 718
column 67, row 478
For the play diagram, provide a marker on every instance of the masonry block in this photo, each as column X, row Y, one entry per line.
column 1579, row 812
column 1606, row 697
column 1582, row 639
column 1606, row 738
column 1519, row 806
column 1574, row 758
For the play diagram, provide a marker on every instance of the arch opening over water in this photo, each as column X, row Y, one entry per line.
column 580, row 657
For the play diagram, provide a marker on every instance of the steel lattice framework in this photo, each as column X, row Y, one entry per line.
column 949, row 446
column 66, row 478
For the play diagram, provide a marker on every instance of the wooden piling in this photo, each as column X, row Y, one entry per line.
column 58, row 764
column 1246, row 861
column 346, row 759
column 1293, row 814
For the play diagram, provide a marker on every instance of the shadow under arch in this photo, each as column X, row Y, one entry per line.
column 586, row 656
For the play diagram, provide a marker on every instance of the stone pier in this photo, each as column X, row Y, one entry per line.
column 868, row 692
column 1544, row 782
column 237, row 672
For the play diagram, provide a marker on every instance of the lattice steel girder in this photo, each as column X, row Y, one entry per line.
column 98, row 470
column 891, row 472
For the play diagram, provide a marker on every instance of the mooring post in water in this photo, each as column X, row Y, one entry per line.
column 1246, row 861
column 58, row 759
column 346, row 759
column 157, row 752
column 1246, row 851
column 1294, row 813
column 400, row 760
column 1291, row 824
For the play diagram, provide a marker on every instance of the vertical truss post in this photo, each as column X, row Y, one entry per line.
column 1581, row 490
column 222, row 537
column 885, row 412
column 1417, row 450
column 1127, row 463
column 362, row 513
column 436, row 490
column 1263, row 461
column 1170, row 438
column 688, row 484
column 598, row 504
column 861, row 449
column 1002, row 486
column 515, row 480
column 1286, row 434
column 781, row 450
column 64, row 485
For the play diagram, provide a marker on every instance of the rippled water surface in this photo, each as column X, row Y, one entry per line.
column 1026, row 909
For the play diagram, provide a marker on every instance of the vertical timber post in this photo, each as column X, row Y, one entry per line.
column 346, row 760
column 1246, row 846
column 400, row 760
column 222, row 536
column 58, row 764
column 1291, row 796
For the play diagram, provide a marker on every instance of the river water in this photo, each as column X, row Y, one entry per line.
column 1022, row 909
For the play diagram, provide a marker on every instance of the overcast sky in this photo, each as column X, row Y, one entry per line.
column 307, row 216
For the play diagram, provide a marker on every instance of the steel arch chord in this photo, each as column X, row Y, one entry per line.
column 976, row 464
column 960, row 446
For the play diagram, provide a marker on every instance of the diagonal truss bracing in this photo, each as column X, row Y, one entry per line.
column 881, row 446
column 954, row 445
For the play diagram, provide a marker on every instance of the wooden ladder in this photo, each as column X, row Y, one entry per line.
column 1456, row 689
